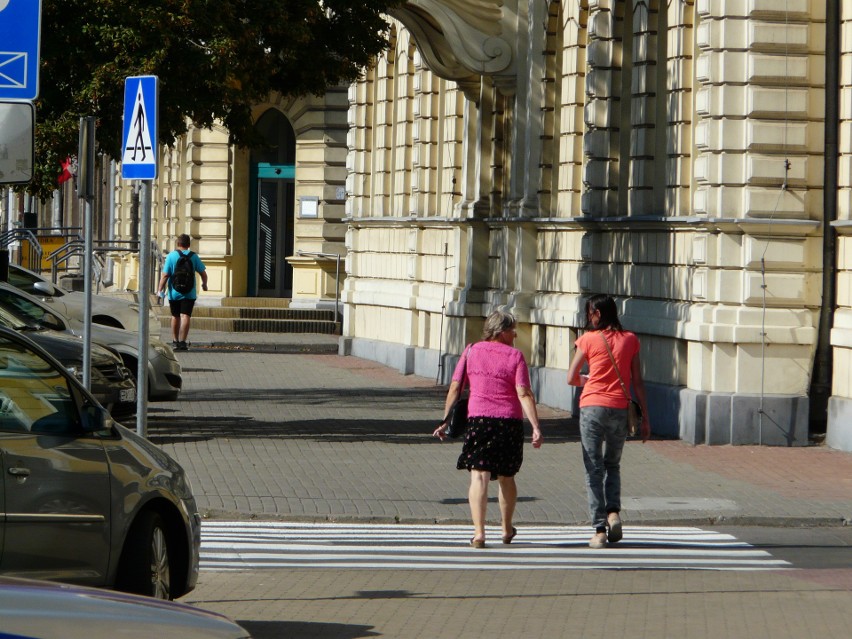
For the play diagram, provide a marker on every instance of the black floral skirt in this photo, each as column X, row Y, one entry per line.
column 495, row 444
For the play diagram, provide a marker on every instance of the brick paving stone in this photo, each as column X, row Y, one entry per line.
column 526, row 603
column 270, row 433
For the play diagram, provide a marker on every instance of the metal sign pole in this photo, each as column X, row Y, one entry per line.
column 139, row 141
column 86, row 192
column 144, row 304
column 87, row 304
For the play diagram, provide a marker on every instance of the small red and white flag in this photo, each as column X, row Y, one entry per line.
column 68, row 170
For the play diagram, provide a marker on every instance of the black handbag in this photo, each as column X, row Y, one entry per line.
column 457, row 417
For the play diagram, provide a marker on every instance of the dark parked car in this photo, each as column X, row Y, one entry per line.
column 164, row 372
column 86, row 500
column 112, row 383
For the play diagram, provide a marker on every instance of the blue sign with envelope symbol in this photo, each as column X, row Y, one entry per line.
column 20, row 29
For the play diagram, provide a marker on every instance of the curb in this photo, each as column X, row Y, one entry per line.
column 293, row 349
column 767, row 522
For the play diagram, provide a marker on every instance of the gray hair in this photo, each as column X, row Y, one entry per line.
column 496, row 323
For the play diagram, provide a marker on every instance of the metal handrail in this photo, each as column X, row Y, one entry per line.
column 57, row 259
column 63, row 254
column 156, row 265
column 337, row 312
column 76, row 247
column 13, row 235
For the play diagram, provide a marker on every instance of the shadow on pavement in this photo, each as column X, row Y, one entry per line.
column 306, row 630
column 375, row 398
column 177, row 428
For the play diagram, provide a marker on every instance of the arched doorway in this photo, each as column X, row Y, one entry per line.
column 273, row 204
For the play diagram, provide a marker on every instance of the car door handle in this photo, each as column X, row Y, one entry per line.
column 19, row 472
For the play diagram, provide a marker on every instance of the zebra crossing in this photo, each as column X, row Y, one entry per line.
column 251, row 545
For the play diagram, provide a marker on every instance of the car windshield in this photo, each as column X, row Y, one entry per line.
column 20, row 307
column 26, row 281
column 34, row 395
column 13, row 321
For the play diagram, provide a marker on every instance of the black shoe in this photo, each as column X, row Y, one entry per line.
column 175, row 344
column 181, row 346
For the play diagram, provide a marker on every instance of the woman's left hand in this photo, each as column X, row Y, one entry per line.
column 645, row 429
column 440, row 432
column 537, row 438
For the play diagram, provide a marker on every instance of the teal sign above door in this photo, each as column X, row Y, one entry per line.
column 272, row 171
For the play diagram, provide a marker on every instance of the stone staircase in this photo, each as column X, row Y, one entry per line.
column 258, row 315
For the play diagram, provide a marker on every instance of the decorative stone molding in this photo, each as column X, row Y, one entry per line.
column 462, row 40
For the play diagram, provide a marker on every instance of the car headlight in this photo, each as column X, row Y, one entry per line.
column 161, row 348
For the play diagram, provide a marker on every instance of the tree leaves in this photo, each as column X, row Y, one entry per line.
column 214, row 60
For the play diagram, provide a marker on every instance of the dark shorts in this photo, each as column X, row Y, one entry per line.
column 493, row 444
column 181, row 307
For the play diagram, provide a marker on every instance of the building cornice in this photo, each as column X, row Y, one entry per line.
column 463, row 40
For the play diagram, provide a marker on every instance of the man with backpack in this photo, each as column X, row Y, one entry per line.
column 179, row 273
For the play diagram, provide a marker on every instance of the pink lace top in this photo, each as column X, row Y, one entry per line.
column 494, row 370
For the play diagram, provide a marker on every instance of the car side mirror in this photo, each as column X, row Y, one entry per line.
column 45, row 288
column 96, row 419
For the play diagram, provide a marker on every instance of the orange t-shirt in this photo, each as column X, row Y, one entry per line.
column 603, row 387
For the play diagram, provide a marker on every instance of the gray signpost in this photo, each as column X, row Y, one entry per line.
column 20, row 43
column 17, row 125
column 86, row 192
column 139, row 160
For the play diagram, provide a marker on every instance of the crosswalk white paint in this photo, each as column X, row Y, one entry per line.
column 257, row 545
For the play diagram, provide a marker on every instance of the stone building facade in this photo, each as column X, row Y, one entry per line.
column 676, row 154
column 689, row 157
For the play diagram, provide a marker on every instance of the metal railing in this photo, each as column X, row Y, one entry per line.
column 24, row 234
column 76, row 248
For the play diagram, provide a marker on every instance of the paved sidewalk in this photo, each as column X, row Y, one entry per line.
column 280, row 426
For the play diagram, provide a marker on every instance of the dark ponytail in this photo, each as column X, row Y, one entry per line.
column 608, row 310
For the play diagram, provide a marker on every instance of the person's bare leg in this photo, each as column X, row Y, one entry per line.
column 175, row 328
column 184, row 327
column 508, row 499
column 477, row 496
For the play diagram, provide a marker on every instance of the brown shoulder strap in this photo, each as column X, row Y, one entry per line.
column 615, row 366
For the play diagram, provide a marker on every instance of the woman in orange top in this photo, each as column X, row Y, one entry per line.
column 603, row 410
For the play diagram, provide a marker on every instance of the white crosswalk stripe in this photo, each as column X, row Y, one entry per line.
column 256, row 545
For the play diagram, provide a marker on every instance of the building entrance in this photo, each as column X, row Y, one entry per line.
column 272, row 207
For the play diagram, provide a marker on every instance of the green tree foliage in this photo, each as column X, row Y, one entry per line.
column 214, row 60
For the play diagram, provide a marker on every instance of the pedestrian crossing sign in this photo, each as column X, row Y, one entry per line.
column 139, row 139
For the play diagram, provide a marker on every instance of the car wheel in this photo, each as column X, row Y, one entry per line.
column 147, row 569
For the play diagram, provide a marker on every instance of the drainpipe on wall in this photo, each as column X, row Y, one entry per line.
column 820, row 390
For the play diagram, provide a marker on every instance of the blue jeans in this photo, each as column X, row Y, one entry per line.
column 603, row 432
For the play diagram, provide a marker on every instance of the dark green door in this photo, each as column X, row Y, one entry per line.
column 272, row 207
column 274, row 223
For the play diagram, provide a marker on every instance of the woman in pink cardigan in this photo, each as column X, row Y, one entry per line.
column 500, row 396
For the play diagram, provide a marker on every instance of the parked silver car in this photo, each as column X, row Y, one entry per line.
column 106, row 310
column 164, row 372
column 86, row 500
column 44, row 610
